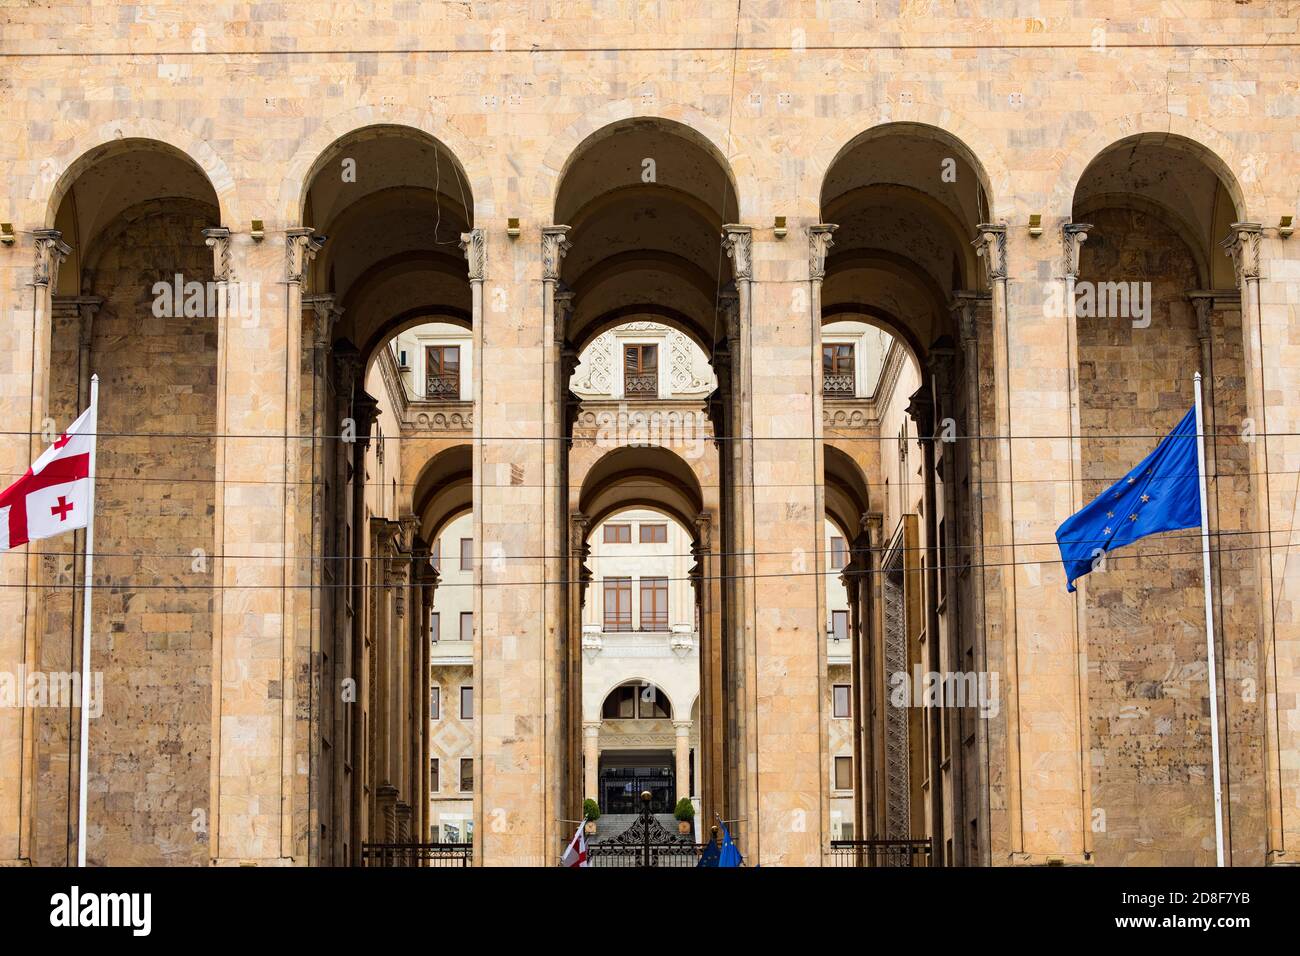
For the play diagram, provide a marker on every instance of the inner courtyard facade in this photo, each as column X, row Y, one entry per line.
column 513, row 417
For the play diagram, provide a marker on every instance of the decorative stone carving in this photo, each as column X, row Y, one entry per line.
column 991, row 246
column 51, row 250
column 738, row 240
column 819, row 244
column 474, row 245
column 217, row 238
column 301, row 247
column 554, row 246
column 1243, row 245
column 1073, row 236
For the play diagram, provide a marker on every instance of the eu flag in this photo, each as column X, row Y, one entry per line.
column 729, row 855
column 1161, row 494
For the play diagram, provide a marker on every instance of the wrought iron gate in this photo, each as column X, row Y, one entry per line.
column 646, row 843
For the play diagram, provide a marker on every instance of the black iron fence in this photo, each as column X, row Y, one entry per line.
column 417, row 854
column 875, row 853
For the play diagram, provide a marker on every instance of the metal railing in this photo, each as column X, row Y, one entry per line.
column 838, row 385
column 874, row 853
column 417, row 854
column 441, row 387
column 641, row 386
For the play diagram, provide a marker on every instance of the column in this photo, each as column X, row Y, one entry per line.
column 591, row 760
column 683, row 754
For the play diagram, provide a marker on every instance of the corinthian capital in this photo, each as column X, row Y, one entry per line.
column 1073, row 236
column 738, row 240
column 819, row 243
column 474, row 245
column 300, row 246
column 51, row 250
column 1243, row 245
column 991, row 245
column 554, row 245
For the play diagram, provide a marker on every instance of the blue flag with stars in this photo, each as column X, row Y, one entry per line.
column 1163, row 493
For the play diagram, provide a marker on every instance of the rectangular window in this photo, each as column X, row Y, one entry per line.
column 654, row 534
column 442, row 372
column 435, row 703
column 435, row 627
column 466, row 554
column 839, row 553
column 618, row 534
column 842, row 706
column 466, row 775
column 641, row 371
column 434, row 785
column 654, row 604
column 837, row 371
column 467, row 625
column 618, row 604
column 467, row 703
column 839, row 625
column 843, row 773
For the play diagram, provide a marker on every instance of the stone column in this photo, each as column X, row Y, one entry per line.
column 706, row 576
column 577, row 575
column 590, row 760
column 683, row 754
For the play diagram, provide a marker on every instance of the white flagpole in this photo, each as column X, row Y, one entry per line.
column 1209, row 629
column 87, row 592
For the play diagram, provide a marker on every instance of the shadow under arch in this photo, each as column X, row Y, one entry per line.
column 444, row 489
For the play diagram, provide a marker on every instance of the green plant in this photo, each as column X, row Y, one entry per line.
column 590, row 810
column 685, row 810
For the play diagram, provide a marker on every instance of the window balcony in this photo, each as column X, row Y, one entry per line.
column 838, row 385
column 441, row 388
column 641, row 386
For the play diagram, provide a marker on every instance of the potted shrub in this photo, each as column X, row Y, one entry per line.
column 590, row 813
column 685, row 813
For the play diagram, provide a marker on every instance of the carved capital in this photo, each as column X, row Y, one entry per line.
column 942, row 363
column 51, row 250
column 703, row 534
column 578, row 524
column 554, row 246
column 1073, row 236
column 1243, row 245
column 563, row 299
column 965, row 310
column 991, row 246
column 474, row 245
column 873, row 523
column 300, row 247
column 738, row 240
column 326, row 315
column 217, row 238
column 819, row 244
column 920, row 407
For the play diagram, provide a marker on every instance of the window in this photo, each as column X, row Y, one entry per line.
column 467, row 703
column 654, row 604
column 442, row 371
column 434, row 784
column 466, row 774
column 466, row 554
column 839, row 625
column 839, row 553
column 618, row 534
column 435, row 703
column 467, row 625
column 837, row 371
column 618, row 604
column 654, row 534
column 843, row 773
column 634, row 700
column 641, row 371
column 840, row 697
column 435, row 627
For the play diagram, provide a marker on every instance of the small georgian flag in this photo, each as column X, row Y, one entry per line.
column 54, row 495
column 576, row 853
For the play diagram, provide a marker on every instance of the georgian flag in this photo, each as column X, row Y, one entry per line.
column 54, row 495
column 576, row 853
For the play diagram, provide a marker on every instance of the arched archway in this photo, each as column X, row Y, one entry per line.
column 902, row 203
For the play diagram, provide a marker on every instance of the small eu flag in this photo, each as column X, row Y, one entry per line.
column 1161, row 494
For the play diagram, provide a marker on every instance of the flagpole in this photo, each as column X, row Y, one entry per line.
column 87, row 592
column 1209, row 629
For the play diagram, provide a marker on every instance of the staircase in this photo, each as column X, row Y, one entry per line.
column 610, row 825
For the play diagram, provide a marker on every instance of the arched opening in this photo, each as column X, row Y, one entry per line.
column 904, row 311
column 135, row 294
column 643, row 305
column 1154, row 300
column 388, row 317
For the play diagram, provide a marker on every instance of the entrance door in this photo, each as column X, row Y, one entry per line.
column 623, row 777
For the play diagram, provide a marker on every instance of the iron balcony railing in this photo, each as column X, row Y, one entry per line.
column 417, row 854
column 443, row 387
column 838, row 385
column 874, row 853
column 641, row 386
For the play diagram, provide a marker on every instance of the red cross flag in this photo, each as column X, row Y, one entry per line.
column 576, row 853
column 55, row 494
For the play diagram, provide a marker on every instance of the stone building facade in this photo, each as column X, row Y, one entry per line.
column 1060, row 217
